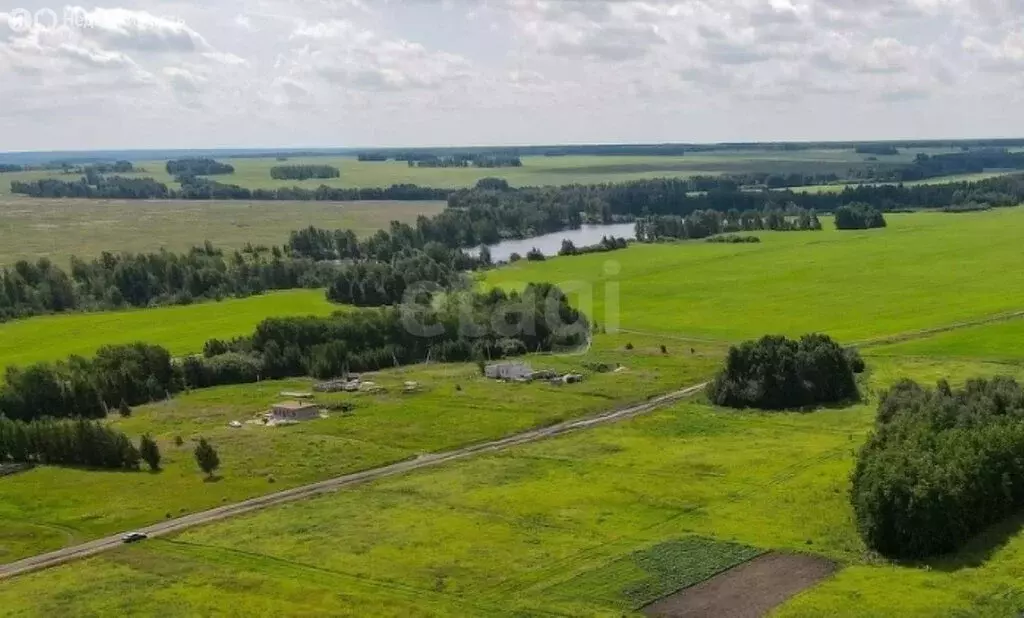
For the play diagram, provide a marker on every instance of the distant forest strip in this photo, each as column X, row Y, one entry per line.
column 189, row 174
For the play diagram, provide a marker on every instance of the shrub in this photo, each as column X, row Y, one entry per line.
column 941, row 465
column 776, row 373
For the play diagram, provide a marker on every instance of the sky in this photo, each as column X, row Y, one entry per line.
column 363, row 73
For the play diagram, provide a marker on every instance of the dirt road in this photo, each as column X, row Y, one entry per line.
column 170, row 526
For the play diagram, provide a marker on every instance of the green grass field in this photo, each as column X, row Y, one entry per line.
column 580, row 525
column 57, row 229
column 589, row 524
column 181, row 329
column 924, row 270
column 382, row 429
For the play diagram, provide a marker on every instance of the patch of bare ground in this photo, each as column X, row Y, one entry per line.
column 748, row 590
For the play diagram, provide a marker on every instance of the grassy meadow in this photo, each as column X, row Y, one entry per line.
column 574, row 526
column 455, row 407
column 182, row 329
column 57, row 229
column 923, row 270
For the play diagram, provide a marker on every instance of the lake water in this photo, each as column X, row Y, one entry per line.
column 549, row 244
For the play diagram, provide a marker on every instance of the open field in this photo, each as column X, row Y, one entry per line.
column 57, row 229
column 382, row 429
column 540, row 530
column 180, row 329
column 536, row 170
column 591, row 524
column 925, row 269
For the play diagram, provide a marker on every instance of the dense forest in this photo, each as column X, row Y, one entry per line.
column 706, row 223
column 940, row 466
column 303, row 172
column 776, row 373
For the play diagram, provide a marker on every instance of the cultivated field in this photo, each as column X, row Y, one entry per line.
column 180, row 329
column 57, row 229
column 596, row 523
column 924, row 270
column 456, row 407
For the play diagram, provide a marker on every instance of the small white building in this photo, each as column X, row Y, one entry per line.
column 293, row 411
column 508, row 371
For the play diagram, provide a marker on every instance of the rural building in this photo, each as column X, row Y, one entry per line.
column 508, row 371
column 293, row 411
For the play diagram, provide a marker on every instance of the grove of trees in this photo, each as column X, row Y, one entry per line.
column 198, row 166
column 776, row 373
column 303, row 172
column 858, row 216
column 66, row 442
column 940, row 466
column 707, row 223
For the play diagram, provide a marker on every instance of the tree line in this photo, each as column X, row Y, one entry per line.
column 708, row 223
column 78, row 442
column 117, row 376
column 607, row 243
column 460, row 160
column 941, row 465
column 114, row 281
column 303, row 172
column 197, row 188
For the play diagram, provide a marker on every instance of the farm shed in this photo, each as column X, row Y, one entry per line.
column 293, row 411
column 508, row 371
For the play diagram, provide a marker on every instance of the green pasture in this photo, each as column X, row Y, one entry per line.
column 454, row 407
column 923, row 270
column 581, row 525
column 57, row 229
column 182, row 329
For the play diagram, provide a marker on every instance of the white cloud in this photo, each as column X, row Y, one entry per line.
column 252, row 72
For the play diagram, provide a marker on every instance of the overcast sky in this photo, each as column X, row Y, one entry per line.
column 262, row 73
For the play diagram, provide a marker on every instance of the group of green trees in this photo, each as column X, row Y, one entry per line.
column 77, row 442
column 707, row 223
column 198, row 166
column 303, row 172
column 373, row 283
column 118, row 376
column 776, row 373
column 142, row 280
column 466, row 160
column 858, row 216
column 940, row 466
column 607, row 243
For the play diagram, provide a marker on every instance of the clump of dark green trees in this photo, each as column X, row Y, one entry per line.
column 776, row 373
column 858, row 216
column 941, row 465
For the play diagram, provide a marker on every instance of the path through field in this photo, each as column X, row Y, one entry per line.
column 170, row 526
